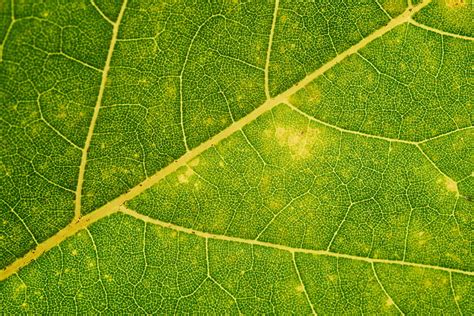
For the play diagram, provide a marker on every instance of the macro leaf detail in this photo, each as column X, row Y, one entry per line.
column 236, row 157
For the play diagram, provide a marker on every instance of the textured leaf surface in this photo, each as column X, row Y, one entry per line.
column 237, row 157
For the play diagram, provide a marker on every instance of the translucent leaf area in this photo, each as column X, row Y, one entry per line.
column 236, row 157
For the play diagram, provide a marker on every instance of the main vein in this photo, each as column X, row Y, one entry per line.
column 114, row 205
column 103, row 83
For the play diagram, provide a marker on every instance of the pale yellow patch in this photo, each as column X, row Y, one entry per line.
column 197, row 185
column 453, row 256
column 300, row 142
column 265, row 182
column 389, row 302
column 144, row 81
column 194, row 162
column 451, row 185
column 209, row 121
column 184, row 177
column 20, row 288
column 276, row 205
column 300, row 289
column 427, row 283
column 394, row 5
column 457, row 298
column 108, row 277
column 314, row 94
column 456, row 3
column 332, row 277
column 221, row 164
column 170, row 91
column 24, row 305
column 422, row 238
column 74, row 252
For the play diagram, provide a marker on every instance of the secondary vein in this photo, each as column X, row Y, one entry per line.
column 105, row 73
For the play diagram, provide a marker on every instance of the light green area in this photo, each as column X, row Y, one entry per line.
column 371, row 164
column 310, row 33
column 453, row 16
column 110, row 8
column 299, row 183
column 144, row 268
column 394, row 7
column 48, row 88
column 409, row 84
column 453, row 154
column 206, row 59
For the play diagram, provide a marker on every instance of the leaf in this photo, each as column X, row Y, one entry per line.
column 236, row 157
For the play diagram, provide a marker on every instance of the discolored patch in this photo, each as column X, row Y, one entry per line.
column 455, row 3
column 300, row 142
column 184, row 177
column 194, row 162
column 449, row 184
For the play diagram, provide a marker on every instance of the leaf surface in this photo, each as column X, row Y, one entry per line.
column 236, row 157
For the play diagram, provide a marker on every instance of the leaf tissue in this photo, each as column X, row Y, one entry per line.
column 237, row 157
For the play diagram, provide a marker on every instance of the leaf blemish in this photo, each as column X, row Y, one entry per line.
column 299, row 142
column 455, row 3
column 184, row 177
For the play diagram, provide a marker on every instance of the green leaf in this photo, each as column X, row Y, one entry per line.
column 236, row 157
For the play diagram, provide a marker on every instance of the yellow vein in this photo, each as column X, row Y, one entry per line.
column 396, row 140
column 344, row 130
column 82, row 167
column 113, row 205
column 181, row 101
column 454, row 293
column 10, row 26
column 302, row 284
column 446, row 134
column 390, row 300
column 102, row 14
column 52, row 242
column 254, row 242
column 269, row 50
column 432, row 29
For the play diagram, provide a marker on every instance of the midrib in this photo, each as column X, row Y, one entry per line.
column 114, row 205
